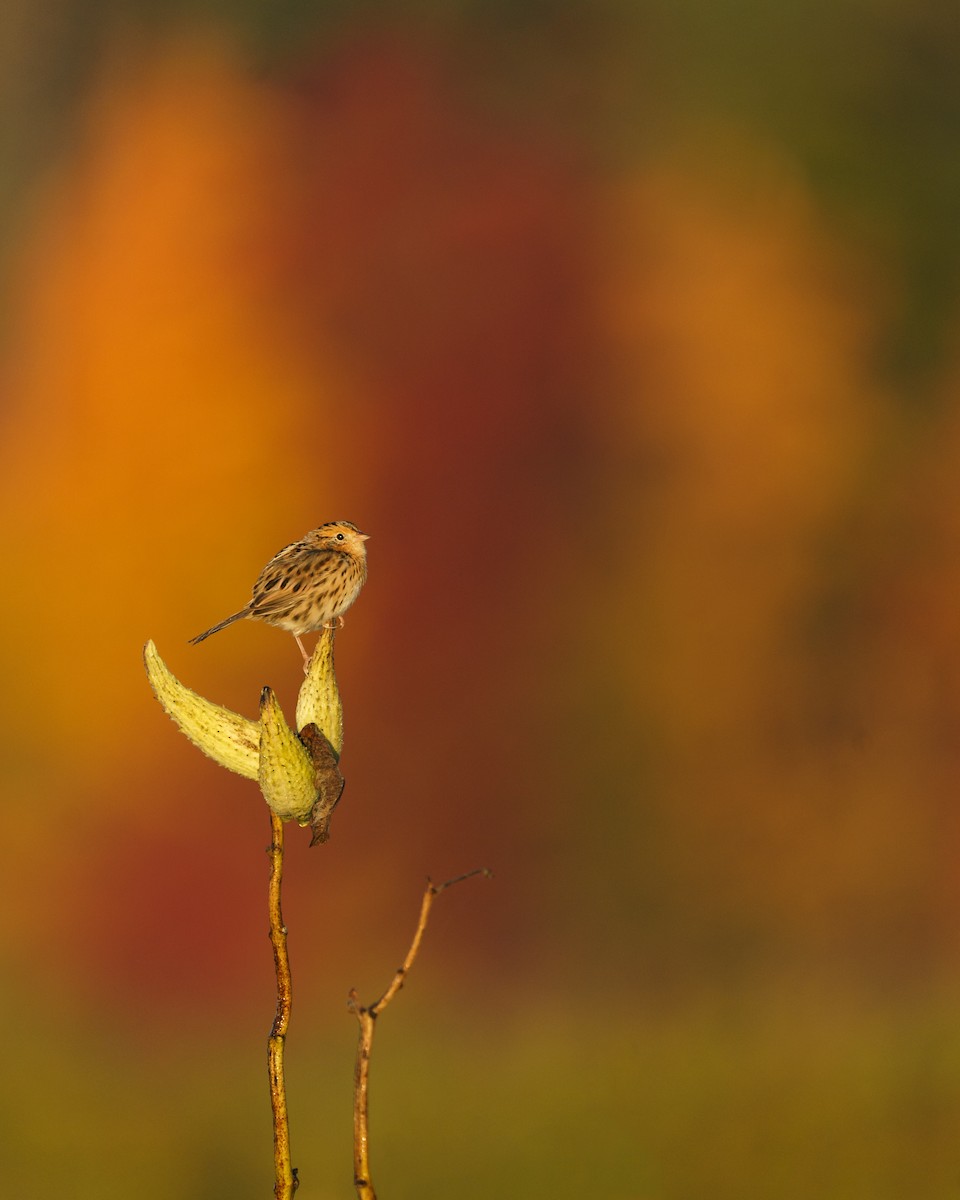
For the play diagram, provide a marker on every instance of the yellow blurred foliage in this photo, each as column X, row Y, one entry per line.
column 741, row 398
column 160, row 428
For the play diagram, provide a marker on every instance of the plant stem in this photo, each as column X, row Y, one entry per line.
column 366, row 1016
column 286, row 1179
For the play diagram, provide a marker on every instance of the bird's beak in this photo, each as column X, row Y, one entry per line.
column 364, row 537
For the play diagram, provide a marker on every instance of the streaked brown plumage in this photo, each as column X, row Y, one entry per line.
column 308, row 584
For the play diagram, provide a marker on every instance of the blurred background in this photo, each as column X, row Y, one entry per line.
column 629, row 332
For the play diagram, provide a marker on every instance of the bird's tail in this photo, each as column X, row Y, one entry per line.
column 216, row 628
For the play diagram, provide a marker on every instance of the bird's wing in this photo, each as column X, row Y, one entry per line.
column 294, row 564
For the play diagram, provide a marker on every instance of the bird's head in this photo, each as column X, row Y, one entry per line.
column 340, row 535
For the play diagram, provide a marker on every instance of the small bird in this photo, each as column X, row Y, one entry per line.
column 309, row 584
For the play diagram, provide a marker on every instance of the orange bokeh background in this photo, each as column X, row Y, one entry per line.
column 660, row 625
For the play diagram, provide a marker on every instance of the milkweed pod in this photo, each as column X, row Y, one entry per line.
column 286, row 773
column 226, row 737
column 319, row 700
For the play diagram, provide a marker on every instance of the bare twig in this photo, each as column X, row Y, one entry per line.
column 286, row 1178
column 367, row 1016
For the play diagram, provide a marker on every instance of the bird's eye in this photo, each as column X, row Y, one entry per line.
column 339, row 537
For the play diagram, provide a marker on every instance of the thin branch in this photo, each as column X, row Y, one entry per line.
column 286, row 1178
column 367, row 1016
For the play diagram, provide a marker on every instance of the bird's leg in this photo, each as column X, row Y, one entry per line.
column 306, row 656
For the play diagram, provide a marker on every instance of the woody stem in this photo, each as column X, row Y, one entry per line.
column 286, row 1180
